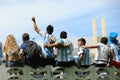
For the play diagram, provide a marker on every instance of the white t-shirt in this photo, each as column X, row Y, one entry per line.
column 102, row 55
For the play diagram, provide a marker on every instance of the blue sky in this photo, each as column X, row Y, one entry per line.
column 72, row 16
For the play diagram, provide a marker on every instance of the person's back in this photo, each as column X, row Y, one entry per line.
column 30, row 52
column 103, row 55
column 11, row 49
column 47, row 52
column 86, row 59
column 64, row 50
column 83, row 58
column 65, row 54
column 115, row 47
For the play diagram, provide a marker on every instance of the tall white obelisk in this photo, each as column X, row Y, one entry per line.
column 94, row 51
column 94, row 32
column 103, row 23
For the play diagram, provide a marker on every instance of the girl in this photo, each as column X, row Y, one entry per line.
column 11, row 50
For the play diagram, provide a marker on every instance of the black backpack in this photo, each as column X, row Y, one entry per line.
column 32, row 49
column 33, row 54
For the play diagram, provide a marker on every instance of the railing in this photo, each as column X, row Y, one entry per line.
column 58, row 73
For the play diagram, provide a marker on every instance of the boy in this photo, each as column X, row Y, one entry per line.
column 83, row 58
column 104, row 55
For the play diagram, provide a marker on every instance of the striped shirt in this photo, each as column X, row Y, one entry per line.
column 48, row 52
column 86, row 58
column 116, row 49
column 65, row 54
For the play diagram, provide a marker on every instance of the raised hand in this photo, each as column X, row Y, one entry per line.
column 33, row 19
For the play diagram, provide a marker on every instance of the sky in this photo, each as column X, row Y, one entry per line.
column 73, row 16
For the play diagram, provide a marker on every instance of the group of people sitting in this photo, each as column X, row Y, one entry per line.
column 33, row 55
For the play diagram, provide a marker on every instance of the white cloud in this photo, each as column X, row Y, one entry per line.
column 51, row 11
column 15, row 16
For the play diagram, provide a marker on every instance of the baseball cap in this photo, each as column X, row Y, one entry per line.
column 112, row 38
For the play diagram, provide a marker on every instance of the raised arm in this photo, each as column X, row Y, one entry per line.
column 35, row 25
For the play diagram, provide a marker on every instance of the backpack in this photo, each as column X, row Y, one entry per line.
column 33, row 54
column 32, row 49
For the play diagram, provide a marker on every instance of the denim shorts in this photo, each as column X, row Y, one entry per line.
column 14, row 63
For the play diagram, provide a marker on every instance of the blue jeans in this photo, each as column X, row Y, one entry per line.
column 76, row 58
column 14, row 63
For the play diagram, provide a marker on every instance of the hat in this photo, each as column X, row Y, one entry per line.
column 113, row 35
column 112, row 38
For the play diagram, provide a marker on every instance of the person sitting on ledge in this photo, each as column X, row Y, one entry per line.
column 104, row 55
column 64, row 50
column 82, row 59
column 115, row 47
column 11, row 49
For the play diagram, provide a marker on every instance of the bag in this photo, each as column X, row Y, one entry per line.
column 33, row 54
column 32, row 49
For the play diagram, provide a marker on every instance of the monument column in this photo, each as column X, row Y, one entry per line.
column 103, row 22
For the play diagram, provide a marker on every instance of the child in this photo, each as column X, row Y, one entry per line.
column 83, row 58
column 102, row 57
column 11, row 49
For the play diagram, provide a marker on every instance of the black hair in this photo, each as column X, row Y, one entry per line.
column 104, row 40
column 25, row 36
column 49, row 29
column 63, row 34
column 83, row 40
